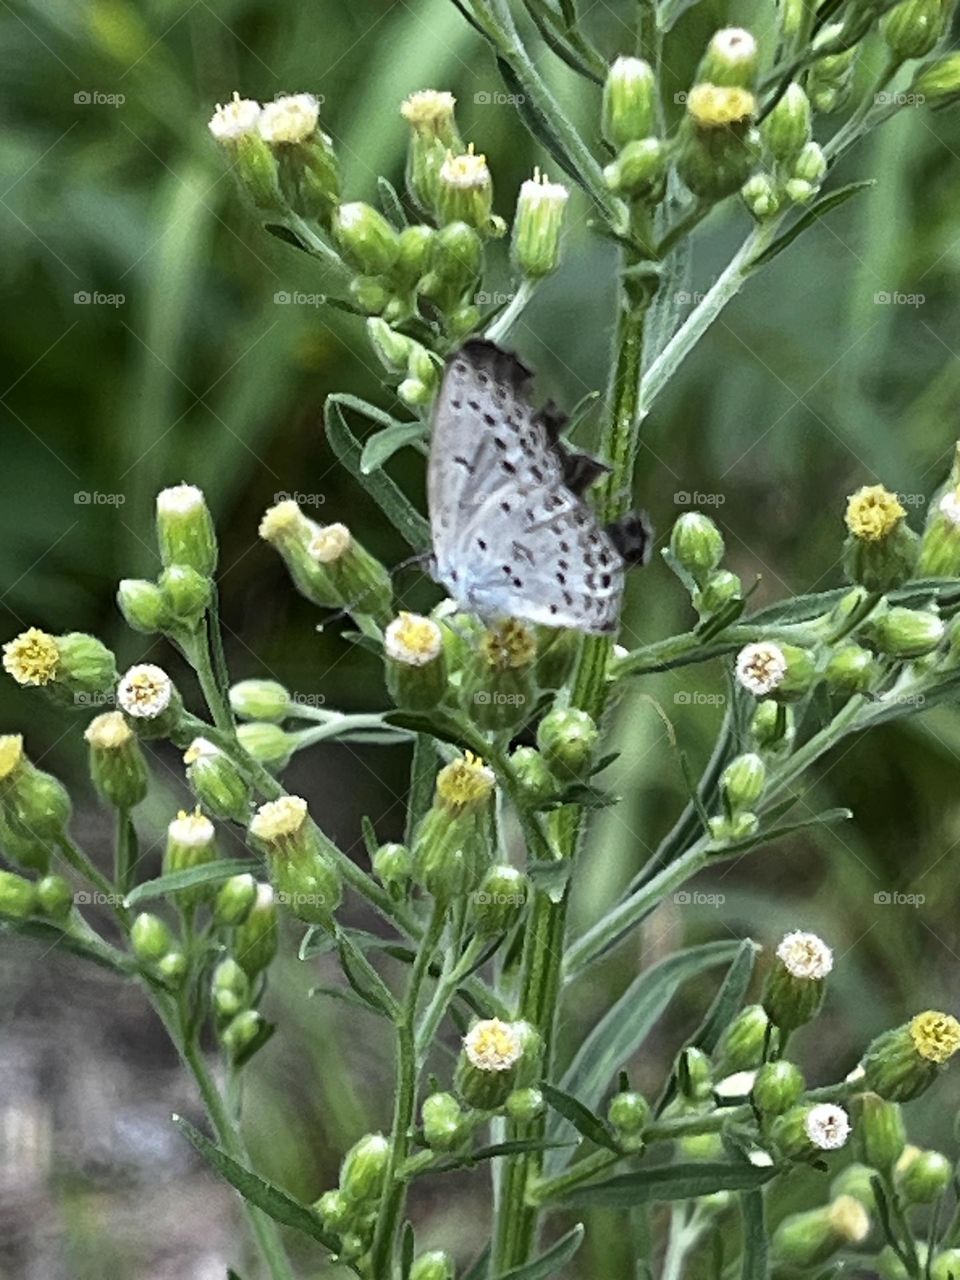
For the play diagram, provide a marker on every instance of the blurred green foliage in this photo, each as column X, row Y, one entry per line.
column 807, row 387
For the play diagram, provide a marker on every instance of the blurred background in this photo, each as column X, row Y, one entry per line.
column 144, row 345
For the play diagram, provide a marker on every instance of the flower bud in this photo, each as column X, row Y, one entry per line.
column 696, row 544
column 34, row 804
column 150, row 938
column 741, row 1046
column 267, row 743
column 234, row 119
column 912, row 28
column 465, row 190
column 307, row 164
column 879, row 1132
column 172, row 969
column 216, row 781
column 939, row 80
column 148, row 698
column 695, row 1075
column 923, row 1177
column 393, row 866
column 416, row 667
column 22, row 848
column 855, row 1180
column 627, row 1116
column 720, row 588
column 777, row 1087
column 18, row 896
column 498, row 691
column 900, row 1064
column 639, row 171
column 117, row 765
column 772, row 726
column 456, row 264
column 850, row 669
column 808, row 171
column 730, row 60
column 537, row 226
column 364, row 1168
column 500, row 901
column 804, row 1131
column 255, row 939
column 191, row 842
column 416, row 251
column 75, row 668
column 185, row 533
column 143, row 605
column 716, row 148
column 234, row 899
column 302, row 874
column 945, row 1265
column 567, row 737
column 360, row 581
column 229, row 990
column 260, row 700
column 786, row 130
column 780, row 671
column 830, row 79
column 186, row 594
column 393, row 348
column 488, row 1063
column 287, row 529
column 435, row 1265
column 795, row 986
column 742, row 782
column 761, row 195
column 451, row 840
column 234, row 125
column 940, row 545
column 805, row 1240
column 533, row 776
column 242, row 1032
column 525, row 1105
column 629, row 102
column 335, row 1212
column 430, row 114
column 54, row 897
column 443, row 1122
column 905, row 633
column 881, row 551
column 366, row 237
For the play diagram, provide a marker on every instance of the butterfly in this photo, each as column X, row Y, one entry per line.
column 512, row 533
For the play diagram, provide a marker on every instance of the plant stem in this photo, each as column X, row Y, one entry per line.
column 124, row 850
column 552, row 1188
column 511, row 313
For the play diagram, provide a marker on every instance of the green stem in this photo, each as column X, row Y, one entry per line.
column 198, row 651
column 81, row 863
column 497, row 332
column 553, row 1188
column 124, row 850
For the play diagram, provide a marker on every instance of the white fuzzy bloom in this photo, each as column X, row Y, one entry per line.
column 493, row 1045
column 145, row 691
column 734, row 42
column 278, row 818
column 827, row 1126
column 192, row 829
column 466, row 171
column 330, row 542
column 738, row 1085
column 761, row 667
column 413, row 640
column 950, row 506
column 180, row 500
column 804, row 955
column 235, row 118
column 290, row 119
column 539, row 191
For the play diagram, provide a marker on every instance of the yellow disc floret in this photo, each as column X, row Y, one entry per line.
column 509, row 645
column 465, row 784
column 873, row 513
column 493, row 1045
column 278, row 819
column 11, row 753
column 714, row 106
column 935, row 1036
column 32, row 658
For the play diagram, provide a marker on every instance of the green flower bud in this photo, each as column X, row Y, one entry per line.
column 216, row 781
column 229, row 990
column 186, row 594
column 780, row 671
column 537, row 225
column 778, row 1086
column 456, row 264
column 267, row 743
column 730, row 60
column 234, row 899
column 808, row 1239
column 830, row 79
column 450, row 844
column 393, row 348
column 795, row 986
column 924, row 1177
column 629, row 102
column 500, row 901
column 850, row 670
column 287, row 529
column 498, row 691
column 627, row 1116
column 720, row 588
column 358, row 578
column 54, row 897
column 889, row 1266
column 149, row 700
column 879, row 1132
column 443, row 1122
column 945, row 1265
column 364, row 1168
column 938, row 80
column 303, row 875
column 336, row 1213
column 881, row 550
column 143, row 606
column 86, row 669
column 257, row 169
column 742, row 782
column 940, row 545
column 22, row 848
column 34, row 804
column 260, row 700
column 308, row 172
column 464, row 321
column 804, row 1132
column 172, row 969
column 191, row 842
column 525, row 1105
column 465, row 191
column 416, row 251
column 371, row 294
column 857, row 1181
column 150, row 938
column 810, row 166
column 416, row 667
column 716, row 147
column 435, row 1265
column 696, row 544
column 489, row 1061
column 533, row 777
column 912, row 28
column 772, row 726
column 366, row 237
column 185, row 533
column 393, row 866
column 695, row 1075
column 117, row 764
column 567, row 737
column 639, row 171
column 905, row 633
column 244, row 1030
column 761, row 195
column 433, row 133
column 786, row 130
column 18, row 896
column 741, row 1046
column 256, row 937
column 901, row 1064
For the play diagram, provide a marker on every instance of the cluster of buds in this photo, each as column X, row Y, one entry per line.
column 829, row 79
column 74, row 669
column 158, row 950
column 717, row 143
column 630, row 124
column 695, row 554
column 793, row 166
column 327, row 564
column 349, row 1211
column 741, row 786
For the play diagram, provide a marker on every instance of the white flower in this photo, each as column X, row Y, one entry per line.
column 736, row 1086
column 761, row 667
column 108, row 731
column 234, row 119
column 538, row 191
column 192, row 829
column 179, row 500
column 849, row 1219
column 466, row 171
column 804, row 955
column 201, row 749
column 493, row 1045
column 950, row 506
column 290, row 119
column 330, row 542
column 145, row 691
column 413, row 640
column 734, row 42
column 278, row 818
column 827, row 1126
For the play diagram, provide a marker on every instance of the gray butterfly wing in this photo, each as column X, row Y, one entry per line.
column 510, row 538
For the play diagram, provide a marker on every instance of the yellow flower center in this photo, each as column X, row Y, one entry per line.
column 413, row 640
column 935, row 1036
column 282, row 521
column 511, row 644
column 493, row 1045
column 467, row 171
column 279, row 818
column 714, row 105
column 873, row 513
column 108, row 731
column 11, row 753
column 464, row 784
column 32, row 657
column 429, row 110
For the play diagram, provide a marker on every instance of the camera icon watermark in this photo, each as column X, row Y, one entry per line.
column 497, row 98
column 697, row 698
column 95, row 298
column 94, row 498
column 894, row 898
column 895, row 298
column 96, row 98
column 696, row 898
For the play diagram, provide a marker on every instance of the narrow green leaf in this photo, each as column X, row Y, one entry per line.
column 826, row 204
column 548, row 1263
column 434, row 723
column 210, row 873
column 391, row 203
column 362, row 976
column 49, row 936
column 754, row 1236
column 581, row 1117
column 828, row 818
column 407, row 1245
column 370, row 842
column 423, row 774
column 274, row 1202
column 670, row 1182
column 497, row 1151
column 346, row 995
column 382, row 445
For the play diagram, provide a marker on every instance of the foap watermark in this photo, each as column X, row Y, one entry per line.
column 99, row 698
column 297, row 298
column 888, row 99
column 495, row 698
column 94, row 898
column 695, row 898
column 95, row 298
column 894, row 298
column 484, row 299
column 697, row 698
column 301, row 499
column 484, row 899
column 97, row 98
column 308, row 699
column 294, row 900
column 683, row 498
column 94, row 498
column 497, row 98
column 687, row 299
column 894, row 898
column 912, row 499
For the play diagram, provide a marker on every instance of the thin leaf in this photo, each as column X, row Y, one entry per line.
column 50, row 936
column 264, row 1195
column 407, row 1245
column 537, row 123
column 391, row 203
column 670, row 1182
column 826, row 204
column 423, row 773
column 210, row 873
column 364, row 979
column 497, row 1151
column 347, row 996
column 754, row 1236
column 382, row 445
column 548, row 1263
column 581, row 1117
column 825, row 819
